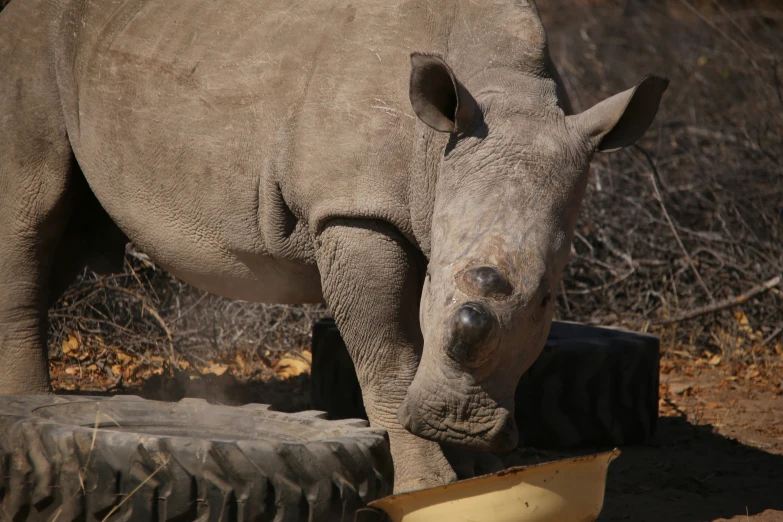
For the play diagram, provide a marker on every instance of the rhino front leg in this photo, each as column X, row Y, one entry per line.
column 35, row 165
column 371, row 280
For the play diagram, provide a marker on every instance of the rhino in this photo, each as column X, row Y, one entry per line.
column 414, row 164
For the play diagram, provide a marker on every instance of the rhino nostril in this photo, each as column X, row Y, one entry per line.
column 470, row 325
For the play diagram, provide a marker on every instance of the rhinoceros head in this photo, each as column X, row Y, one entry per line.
column 509, row 187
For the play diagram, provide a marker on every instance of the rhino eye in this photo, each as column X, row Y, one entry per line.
column 486, row 281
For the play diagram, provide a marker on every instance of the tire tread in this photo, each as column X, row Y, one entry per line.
column 51, row 469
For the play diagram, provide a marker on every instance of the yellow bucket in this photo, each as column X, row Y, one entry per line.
column 570, row 490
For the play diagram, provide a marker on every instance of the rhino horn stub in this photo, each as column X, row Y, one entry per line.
column 485, row 281
column 437, row 97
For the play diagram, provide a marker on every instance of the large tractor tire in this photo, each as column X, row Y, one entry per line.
column 591, row 386
column 129, row 459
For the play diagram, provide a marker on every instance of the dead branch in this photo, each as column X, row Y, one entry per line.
column 772, row 336
column 717, row 29
column 147, row 306
column 726, row 303
column 653, row 175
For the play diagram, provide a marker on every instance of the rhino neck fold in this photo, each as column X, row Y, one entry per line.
column 422, row 179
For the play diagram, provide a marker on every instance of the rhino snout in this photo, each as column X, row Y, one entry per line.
column 495, row 431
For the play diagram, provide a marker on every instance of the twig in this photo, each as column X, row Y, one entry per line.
column 731, row 19
column 115, row 508
column 153, row 312
column 565, row 298
column 720, row 136
column 581, row 238
column 608, row 244
column 772, row 336
column 145, row 304
column 92, row 447
column 722, row 33
column 81, row 318
column 144, row 258
column 186, row 312
column 86, row 464
column 726, row 303
column 654, row 174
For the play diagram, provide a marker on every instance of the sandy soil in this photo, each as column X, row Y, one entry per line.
column 717, row 455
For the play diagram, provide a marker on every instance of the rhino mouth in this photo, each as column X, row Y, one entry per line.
column 461, row 425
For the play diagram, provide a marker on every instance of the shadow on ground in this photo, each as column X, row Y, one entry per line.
column 691, row 473
column 686, row 473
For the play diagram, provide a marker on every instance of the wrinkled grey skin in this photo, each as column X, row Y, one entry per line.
column 301, row 152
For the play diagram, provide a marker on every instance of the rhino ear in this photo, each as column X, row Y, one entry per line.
column 437, row 98
column 622, row 119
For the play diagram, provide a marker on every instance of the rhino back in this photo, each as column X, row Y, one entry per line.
column 240, row 127
column 211, row 110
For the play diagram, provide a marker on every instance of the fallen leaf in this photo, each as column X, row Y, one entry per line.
column 742, row 321
column 116, row 369
column 72, row 370
column 241, row 364
column 71, row 344
column 128, row 372
column 217, row 369
column 124, row 357
column 291, row 367
column 679, row 388
column 715, row 360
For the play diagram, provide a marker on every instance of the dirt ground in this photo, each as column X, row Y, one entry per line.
column 717, row 454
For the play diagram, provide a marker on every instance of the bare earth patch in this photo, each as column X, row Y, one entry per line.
column 718, row 453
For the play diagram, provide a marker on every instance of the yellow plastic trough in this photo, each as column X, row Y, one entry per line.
column 570, row 490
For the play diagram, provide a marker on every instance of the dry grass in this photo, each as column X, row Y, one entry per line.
column 121, row 329
column 713, row 156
